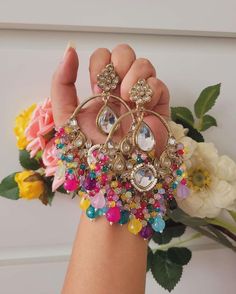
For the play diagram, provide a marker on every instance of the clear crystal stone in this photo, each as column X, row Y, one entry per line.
column 106, row 119
column 73, row 122
column 171, row 141
column 144, row 177
column 145, row 138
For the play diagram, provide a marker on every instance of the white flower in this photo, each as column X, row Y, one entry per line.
column 211, row 178
column 177, row 130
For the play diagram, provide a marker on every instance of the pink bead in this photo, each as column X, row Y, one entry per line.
column 104, row 177
column 71, row 185
column 97, row 167
column 96, row 189
column 113, row 214
column 111, row 192
column 183, row 182
column 128, row 185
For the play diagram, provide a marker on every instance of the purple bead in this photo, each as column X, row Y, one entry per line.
column 146, row 232
column 182, row 191
column 89, row 184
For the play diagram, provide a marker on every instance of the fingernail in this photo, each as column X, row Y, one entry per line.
column 96, row 89
column 70, row 45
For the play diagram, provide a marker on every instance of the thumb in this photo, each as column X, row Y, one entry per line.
column 63, row 91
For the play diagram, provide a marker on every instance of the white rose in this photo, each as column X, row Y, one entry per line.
column 212, row 181
column 226, row 168
column 177, row 130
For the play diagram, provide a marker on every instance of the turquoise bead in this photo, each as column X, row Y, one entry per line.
column 82, row 166
column 179, row 172
column 151, row 220
column 92, row 175
column 174, row 185
column 158, row 224
column 90, row 212
column 124, row 217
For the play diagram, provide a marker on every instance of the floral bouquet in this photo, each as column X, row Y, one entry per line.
column 206, row 203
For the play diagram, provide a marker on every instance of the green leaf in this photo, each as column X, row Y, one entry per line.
column 222, row 223
column 207, row 122
column 179, row 215
column 9, row 188
column 171, row 230
column 47, row 197
column 27, row 162
column 149, row 258
column 166, row 273
column 183, row 114
column 179, row 255
column 62, row 190
column 206, row 100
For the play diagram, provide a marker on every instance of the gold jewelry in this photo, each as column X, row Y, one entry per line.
column 124, row 180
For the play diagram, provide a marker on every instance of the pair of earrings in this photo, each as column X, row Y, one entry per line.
column 121, row 178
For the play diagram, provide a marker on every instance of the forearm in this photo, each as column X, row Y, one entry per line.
column 106, row 260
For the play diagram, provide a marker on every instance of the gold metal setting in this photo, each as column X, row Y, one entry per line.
column 141, row 92
column 138, row 140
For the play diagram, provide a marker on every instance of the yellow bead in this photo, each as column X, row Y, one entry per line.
column 68, row 130
column 153, row 214
column 84, row 203
column 57, row 141
column 92, row 166
column 112, row 203
column 132, row 205
column 81, row 193
column 159, row 186
column 114, row 184
column 123, row 197
column 134, row 226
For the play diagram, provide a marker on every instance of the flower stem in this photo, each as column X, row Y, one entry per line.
column 181, row 242
column 222, row 223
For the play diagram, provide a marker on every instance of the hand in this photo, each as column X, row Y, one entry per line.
column 129, row 68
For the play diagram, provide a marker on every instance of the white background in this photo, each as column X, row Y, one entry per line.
column 191, row 43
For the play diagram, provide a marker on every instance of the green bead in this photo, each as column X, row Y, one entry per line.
column 139, row 160
column 92, row 175
column 82, row 166
column 179, row 172
column 105, row 168
column 151, row 220
column 124, row 217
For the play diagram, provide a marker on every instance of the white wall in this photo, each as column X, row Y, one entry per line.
column 35, row 241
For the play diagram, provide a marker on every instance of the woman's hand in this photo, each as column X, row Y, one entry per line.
column 129, row 68
column 107, row 259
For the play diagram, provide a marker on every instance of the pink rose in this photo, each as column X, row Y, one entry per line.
column 50, row 161
column 40, row 125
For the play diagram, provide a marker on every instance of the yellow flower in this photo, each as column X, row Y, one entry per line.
column 21, row 123
column 30, row 185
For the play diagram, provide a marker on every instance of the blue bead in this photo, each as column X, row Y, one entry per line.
column 174, row 185
column 90, row 212
column 158, row 224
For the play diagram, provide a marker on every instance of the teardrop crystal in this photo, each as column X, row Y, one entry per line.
column 106, row 119
column 119, row 163
column 145, row 138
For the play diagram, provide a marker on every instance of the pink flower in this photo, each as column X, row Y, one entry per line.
column 40, row 125
column 50, row 161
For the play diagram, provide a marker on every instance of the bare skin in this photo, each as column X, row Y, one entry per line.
column 107, row 259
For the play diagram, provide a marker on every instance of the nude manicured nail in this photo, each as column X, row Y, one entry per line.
column 70, row 45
